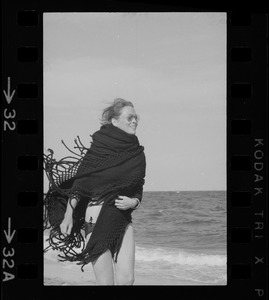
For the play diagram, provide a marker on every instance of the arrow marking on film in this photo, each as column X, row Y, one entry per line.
column 7, row 94
column 8, row 234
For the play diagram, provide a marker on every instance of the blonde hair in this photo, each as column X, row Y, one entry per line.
column 114, row 110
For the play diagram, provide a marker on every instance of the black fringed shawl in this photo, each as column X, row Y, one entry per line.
column 113, row 165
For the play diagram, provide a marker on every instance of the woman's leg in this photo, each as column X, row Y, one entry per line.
column 124, row 268
column 103, row 266
column 103, row 269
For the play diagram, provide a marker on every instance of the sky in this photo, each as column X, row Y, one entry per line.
column 172, row 66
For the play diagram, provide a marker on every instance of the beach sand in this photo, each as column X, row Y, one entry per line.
column 58, row 273
column 70, row 274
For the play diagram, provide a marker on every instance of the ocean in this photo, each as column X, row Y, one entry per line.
column 180, row 238
column 182, row 235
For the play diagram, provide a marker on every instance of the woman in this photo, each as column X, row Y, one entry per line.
column 97, row 193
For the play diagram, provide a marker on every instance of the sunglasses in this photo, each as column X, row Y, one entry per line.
column 131, row 117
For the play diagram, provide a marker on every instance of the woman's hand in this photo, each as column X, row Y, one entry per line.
column 66, row 225
column 124, row 203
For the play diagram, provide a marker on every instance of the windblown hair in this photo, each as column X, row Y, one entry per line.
column 114, row 110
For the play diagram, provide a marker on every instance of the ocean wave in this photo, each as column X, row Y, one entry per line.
column 179, row 257
column 170, row 256
column 199, row 222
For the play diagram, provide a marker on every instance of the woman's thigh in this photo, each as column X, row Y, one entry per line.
column 124, row 268
column 103, row 269
column 103, row 266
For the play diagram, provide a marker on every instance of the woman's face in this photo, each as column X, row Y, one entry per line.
column 127, row 121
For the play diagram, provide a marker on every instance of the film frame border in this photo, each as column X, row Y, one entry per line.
column 22, row 73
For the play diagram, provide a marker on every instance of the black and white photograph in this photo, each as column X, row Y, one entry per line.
column 135, row 154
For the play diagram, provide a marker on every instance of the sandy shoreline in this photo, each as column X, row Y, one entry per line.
column 64, row 273
column 58, row 273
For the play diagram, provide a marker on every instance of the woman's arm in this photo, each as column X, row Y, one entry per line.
column 137, row 194
column 133, row 202
column 71, row 205
column 67, row 223
column 138, row 203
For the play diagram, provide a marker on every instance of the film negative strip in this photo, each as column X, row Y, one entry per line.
column 22, row 159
